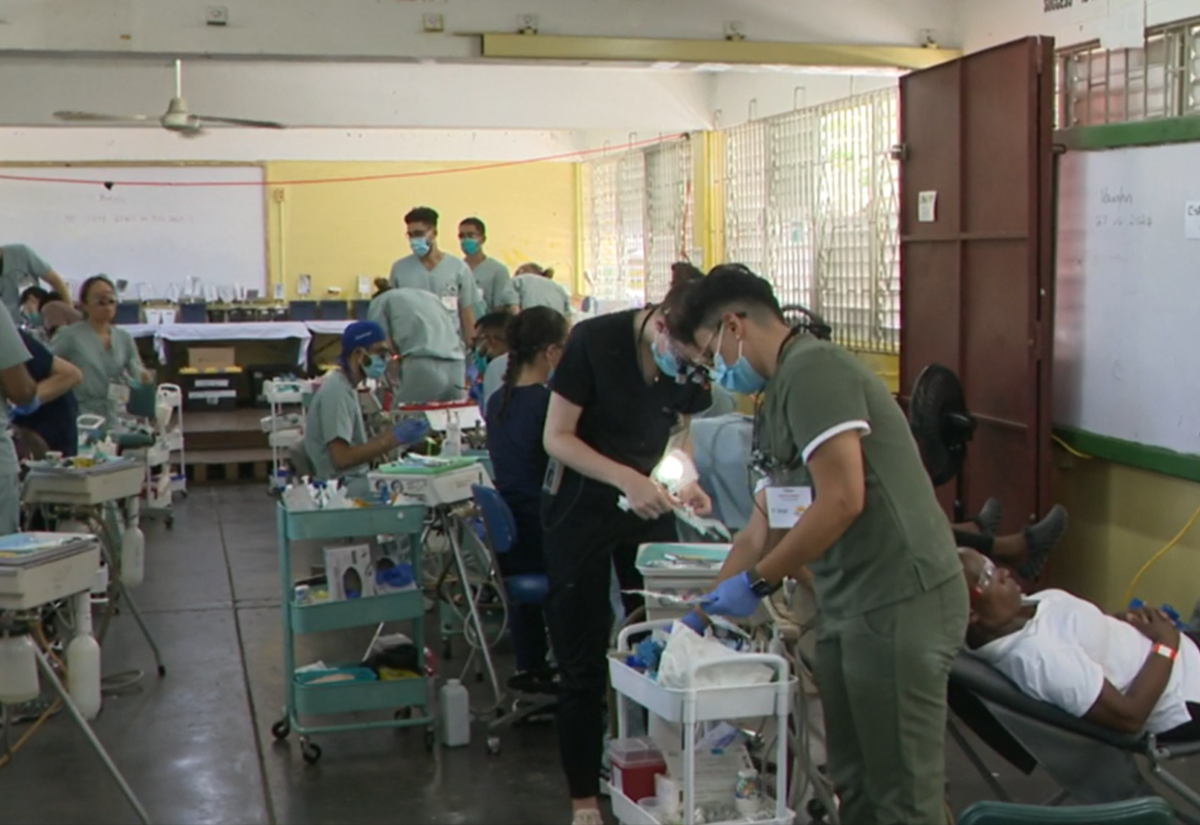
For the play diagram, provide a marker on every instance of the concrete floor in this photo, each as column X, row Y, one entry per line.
column 196, row 745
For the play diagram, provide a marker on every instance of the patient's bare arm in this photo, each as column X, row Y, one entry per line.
column 1127, row 712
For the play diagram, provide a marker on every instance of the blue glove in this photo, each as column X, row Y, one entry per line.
column 410, row 430
column 695, row 621
column 28, row 409
column 733, row 597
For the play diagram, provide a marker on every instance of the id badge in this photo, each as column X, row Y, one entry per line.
column 450, row 302
column 785, row 506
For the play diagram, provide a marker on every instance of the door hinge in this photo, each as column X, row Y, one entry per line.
column 899, row 152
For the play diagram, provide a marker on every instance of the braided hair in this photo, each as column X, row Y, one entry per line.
column 529, row 333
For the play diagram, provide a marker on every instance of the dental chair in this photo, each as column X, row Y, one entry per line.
column 524, row 588
column 1151, row 810
column 1092, row 764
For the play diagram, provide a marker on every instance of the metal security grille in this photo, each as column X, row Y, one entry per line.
column 637, row 220
column 812, row 204
column 1161, row 79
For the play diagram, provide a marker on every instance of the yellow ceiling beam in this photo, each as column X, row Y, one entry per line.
column 557, row 47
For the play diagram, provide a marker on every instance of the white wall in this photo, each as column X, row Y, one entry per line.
column 985, row 23
column 144, row 145
column 392, row 28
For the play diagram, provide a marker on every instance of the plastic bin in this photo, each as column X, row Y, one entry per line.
column 693, row 575
column 635, row 763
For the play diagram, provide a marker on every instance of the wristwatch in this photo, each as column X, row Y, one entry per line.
column 759, row 586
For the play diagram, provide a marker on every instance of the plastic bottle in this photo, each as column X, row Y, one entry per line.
column 452, row 446
column 83, row 674
column 455, row 714
column 133, row 555
column 18, row 670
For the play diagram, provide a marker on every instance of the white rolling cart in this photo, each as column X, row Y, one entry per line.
column 170, row 428
column 285, row 427
column 691, row 706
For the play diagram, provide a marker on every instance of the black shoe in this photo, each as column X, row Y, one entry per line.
column 534, row 683
column 1041, row 539
column 988, row 517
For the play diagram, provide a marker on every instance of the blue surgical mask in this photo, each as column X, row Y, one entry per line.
column 740, row 377
column 33, row 319
column 420, row 246
column 668, row 364
column 375, row 366
column 470, row 246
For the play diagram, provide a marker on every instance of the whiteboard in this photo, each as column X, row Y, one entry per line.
column 155, row 236
column 1127, row 321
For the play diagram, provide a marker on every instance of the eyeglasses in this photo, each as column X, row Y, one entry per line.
column 103, row 302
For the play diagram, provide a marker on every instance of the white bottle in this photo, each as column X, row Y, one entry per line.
column 452, row 446
column 83, row 675
column 18, row 670
column 133, row 555
column 454, row 705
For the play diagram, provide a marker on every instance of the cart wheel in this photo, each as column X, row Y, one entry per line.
column 310, row 751
column 281, row 729
column 403, row 713
column 493, row 745
column 430, row 740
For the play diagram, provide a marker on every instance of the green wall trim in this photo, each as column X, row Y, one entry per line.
column 1136, row 133
column 1155, row 459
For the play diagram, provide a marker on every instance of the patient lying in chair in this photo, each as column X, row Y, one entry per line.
column 1131, row 674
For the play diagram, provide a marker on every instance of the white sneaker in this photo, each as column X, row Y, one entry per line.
column 587, row 816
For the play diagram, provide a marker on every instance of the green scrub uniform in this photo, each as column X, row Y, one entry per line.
column 334, row 413
column 20, row 268
column 424, row 332
column 451, row 281
column 540, row 291
column 495, row 287
column 119, row 364
column 12, row 353
column 891, row 593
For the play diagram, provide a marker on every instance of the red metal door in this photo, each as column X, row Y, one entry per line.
column 977, row 279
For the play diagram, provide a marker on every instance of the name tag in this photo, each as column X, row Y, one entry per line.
column 785, row 506
column 450, row 302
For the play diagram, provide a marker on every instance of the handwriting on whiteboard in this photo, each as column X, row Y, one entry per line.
column 1118, row 210
column 81, row 220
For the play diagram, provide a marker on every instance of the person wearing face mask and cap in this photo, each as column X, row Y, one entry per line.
column 428, row 268
column 432, row 356
column 618, row 403
column 335, row 440
column 496, row 292
column 842, row 492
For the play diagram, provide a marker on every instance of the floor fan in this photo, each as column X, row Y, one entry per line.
column 937, row 414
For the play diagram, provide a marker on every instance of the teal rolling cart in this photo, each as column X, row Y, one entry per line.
column 305, row 698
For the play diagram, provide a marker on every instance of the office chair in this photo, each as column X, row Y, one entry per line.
column 302, row 310
column 360, row 310
column 333, row 311
column 128, row 312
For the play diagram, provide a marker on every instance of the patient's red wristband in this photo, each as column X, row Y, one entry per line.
column 1166, row 652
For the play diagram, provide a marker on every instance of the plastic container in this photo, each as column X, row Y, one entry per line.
column 83, row 675
column 635, row 763
column 452, row 445
column 18, row 670
column 455, row 710
column 133, row 556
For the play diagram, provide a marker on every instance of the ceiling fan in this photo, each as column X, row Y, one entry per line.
column 177, row 118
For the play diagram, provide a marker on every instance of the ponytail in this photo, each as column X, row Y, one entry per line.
column 529, row 333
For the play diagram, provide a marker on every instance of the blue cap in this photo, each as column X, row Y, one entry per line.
column 360, row 335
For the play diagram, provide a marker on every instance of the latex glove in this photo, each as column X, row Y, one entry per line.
column 733, row 597
column 647, row 498
column 410, row 430
column 695, row 499
column 26, row 409
column 695, row 620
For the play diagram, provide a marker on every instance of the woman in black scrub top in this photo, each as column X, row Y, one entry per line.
column 617, row 399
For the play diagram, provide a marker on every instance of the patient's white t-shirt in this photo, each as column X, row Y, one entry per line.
column 1069, row 647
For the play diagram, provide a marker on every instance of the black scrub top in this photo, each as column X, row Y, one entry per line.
column 55, row 420
column 623, row 417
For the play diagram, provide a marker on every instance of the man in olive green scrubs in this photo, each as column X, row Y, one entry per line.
column 843, row 492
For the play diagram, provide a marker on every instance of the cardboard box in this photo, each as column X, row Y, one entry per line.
column 209, row 358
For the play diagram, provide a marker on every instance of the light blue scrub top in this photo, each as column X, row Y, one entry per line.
column 20, row 268
column 118, row 364
column 12, row 353
column 418, row 323
column 539, row 291
column 334, row 413
column 495, row 287
column 493, row 378
column 451, row 280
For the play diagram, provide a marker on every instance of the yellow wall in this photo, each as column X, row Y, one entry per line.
column 338, row 231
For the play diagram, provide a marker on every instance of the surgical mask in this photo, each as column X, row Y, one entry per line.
column 420, row 246
column 741, row 377
column 470, row 246
column 375, row 366
column 34, row 319
column 668, row 364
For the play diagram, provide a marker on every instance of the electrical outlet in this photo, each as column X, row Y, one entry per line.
column 216, row 16
column 433, row 23
column 527, row 23
column 734, row 30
